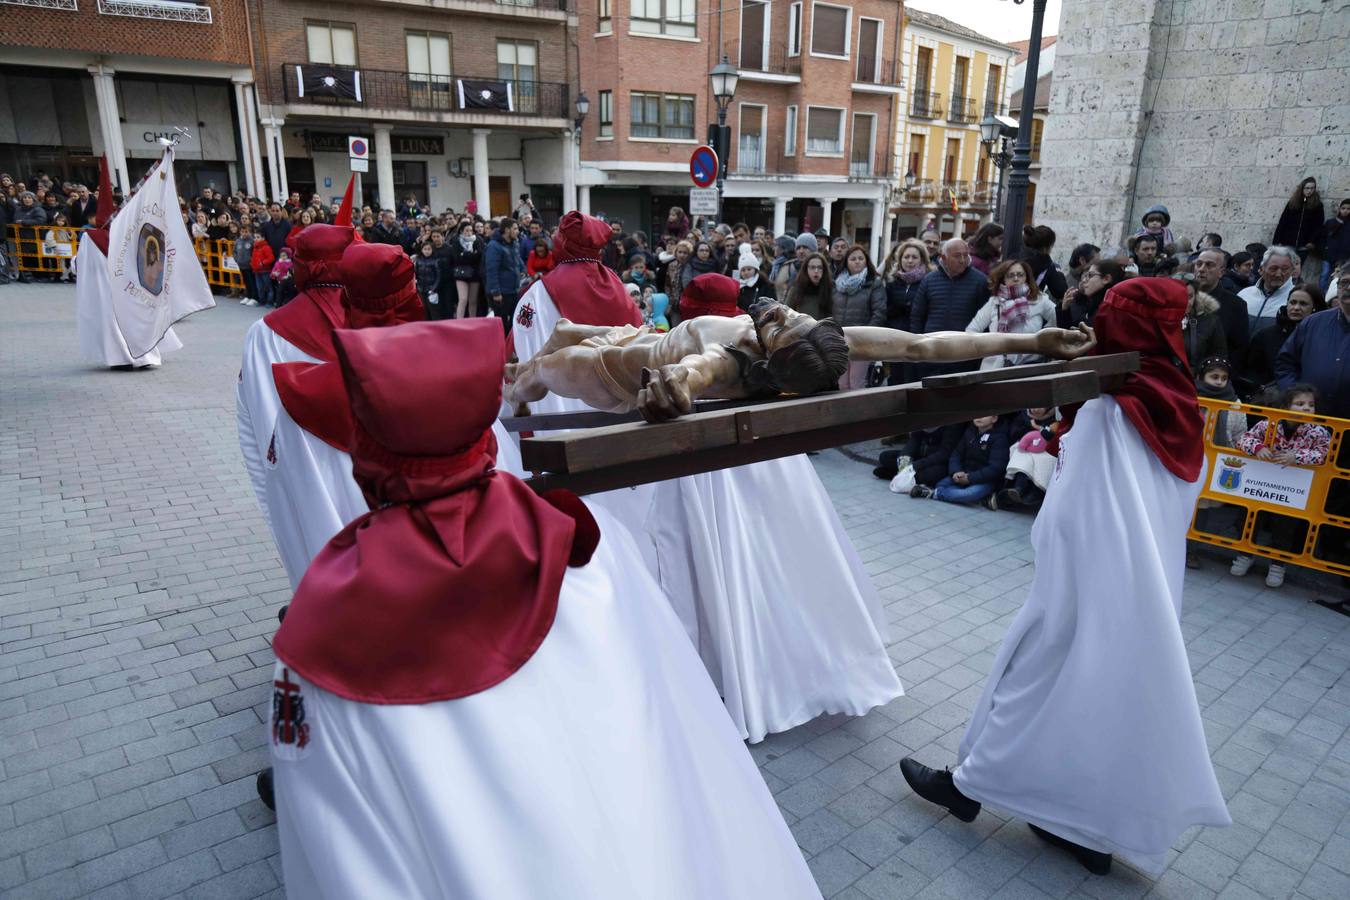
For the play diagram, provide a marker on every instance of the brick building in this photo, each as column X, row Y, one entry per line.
column 403, row 65
column 81, row 77
column 812, row 122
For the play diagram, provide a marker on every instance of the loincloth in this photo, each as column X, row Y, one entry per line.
column 615, row 367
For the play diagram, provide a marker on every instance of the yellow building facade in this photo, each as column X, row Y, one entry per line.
column 954, row 77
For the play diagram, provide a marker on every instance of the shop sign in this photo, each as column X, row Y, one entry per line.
column 401, row 144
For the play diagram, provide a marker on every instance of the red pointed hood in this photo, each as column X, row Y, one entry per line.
column 585, row 291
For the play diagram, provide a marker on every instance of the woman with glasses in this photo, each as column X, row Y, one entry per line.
column 1080, row 303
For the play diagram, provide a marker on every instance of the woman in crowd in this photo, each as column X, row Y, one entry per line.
column 670, row 275
column 427, row 272
column 859, row 298
column 466, row 260
column 905, row 267
column 1037, row 243
column 986, row 247
column 201, row 229
column 1202, row 329
column 1304, row 300
column 1015, row 306
column 701, row 262
column 219, row 230
column 677, row 223
column 1080, row 303
column 813, row 291
column 540, row 261
column 1301, row 226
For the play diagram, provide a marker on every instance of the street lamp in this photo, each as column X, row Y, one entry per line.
column 583, row 107
column 910, row 180
column 723, row 77
column 573, row 147
column 1019, row 182
column 992, row 129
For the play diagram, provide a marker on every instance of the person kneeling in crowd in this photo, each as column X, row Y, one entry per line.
column 1029, row 464
column 925, row 454
column 1293, row 443
column 975, row 468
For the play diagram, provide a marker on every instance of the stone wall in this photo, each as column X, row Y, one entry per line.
column 1225, row 105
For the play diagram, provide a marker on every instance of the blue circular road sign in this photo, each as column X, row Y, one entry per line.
column 703, row 166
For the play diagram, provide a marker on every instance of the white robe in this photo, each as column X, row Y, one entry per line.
column 604, row 769
column 1088, row 725
column 101, row 341
column 762, row 574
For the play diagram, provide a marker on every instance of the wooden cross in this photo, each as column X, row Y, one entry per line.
column 594, row 459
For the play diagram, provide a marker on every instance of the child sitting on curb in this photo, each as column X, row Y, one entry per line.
column 975, row 468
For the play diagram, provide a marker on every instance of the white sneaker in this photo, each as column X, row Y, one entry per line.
column 1241, row 565
column 1275, row 577
column 249, row 301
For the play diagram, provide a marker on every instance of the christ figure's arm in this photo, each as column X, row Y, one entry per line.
column 868, row 343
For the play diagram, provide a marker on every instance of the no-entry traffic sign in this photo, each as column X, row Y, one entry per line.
column 703, row 166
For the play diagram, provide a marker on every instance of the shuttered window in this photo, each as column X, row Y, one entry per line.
column 824, row 130
column 829, row 30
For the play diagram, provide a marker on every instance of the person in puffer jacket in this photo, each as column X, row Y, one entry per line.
column 859, row 298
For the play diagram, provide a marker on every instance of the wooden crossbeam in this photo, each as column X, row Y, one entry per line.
column 624, row 455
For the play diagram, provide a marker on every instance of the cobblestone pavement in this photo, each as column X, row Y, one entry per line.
column 138, row 593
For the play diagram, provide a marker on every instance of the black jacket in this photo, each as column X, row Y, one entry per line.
column 427, row 272
column 900, row 296
column 762, row 288
column 462, row 260
column 1259, row 364
column 983, row 457
column 930, row 452
column 1048, row 275
column 1082, row 309
column 1236, row 328
column 1300, row 227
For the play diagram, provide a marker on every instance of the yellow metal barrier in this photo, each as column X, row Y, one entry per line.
column 1297, row 514
column 44, row 249
column 217, row 259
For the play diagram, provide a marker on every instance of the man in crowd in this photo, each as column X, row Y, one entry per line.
column 81, row 206
column 1147, row 249
column 1279, row 265
column 838, row 253
column 948, row 299
column 503, row 270
column 531, row 231
column 276, row 228
column 1318, row 353
column 1336, row 249
column 613, row 256
column 1209, row 268
column 932, row 242
column 387, row 230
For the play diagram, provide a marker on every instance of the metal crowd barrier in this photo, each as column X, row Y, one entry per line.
column 217, row 259
column 1296, row 514
column 31, row 251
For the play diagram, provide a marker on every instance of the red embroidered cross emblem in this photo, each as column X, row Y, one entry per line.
column 288, row 712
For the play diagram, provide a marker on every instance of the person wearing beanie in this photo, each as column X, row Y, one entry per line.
column 300, row 331
column 478, row 695
column 754, row 284
column 780, row 270
column 1088, row 728
column 1155, row 222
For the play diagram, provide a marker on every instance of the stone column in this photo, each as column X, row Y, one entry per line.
column 384, row 166
column 826, row 204
column 779, row 215
column 248, row 162
column 569, row 163
column 584, row 198
column 481, row 186
column 110, row 125
column 254, row 146
column 878, row 247
column 276, row 164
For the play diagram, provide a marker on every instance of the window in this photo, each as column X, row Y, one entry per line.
column 1037, row 131
column 824, row 131
column 606, row 114
column 754, row 35
column 790, row 132
column 518, row 61
column 672, row 17
column 829, row 30
column 860, row 155
column 750, row 146
column 923, row 68
column 331, row 42
column 917, row 145
column 428, row 68
column 606, row 16
column 869, row 51
column 961, row 77
column 993, row 91
column 662, row 116
column 795, row 30
column 953, row 157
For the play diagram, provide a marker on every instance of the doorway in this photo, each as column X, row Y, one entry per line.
column 499, row 195
column 410, row 177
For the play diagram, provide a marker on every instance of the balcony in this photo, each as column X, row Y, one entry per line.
column 962, row 111
column 930, row 192
column 993, row 108
column 877, row 75
column 538, row 10
column 926, row 105
column 764, row 61
column 382, row 89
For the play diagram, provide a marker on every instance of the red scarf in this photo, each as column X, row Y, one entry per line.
column 451, row 583
column 1144, row 315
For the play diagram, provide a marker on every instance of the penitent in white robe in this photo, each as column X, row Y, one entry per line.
column 604, row 769
column 1088, row 725
column 101, row 341
column 757, row 565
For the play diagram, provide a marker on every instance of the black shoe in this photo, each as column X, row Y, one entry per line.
column 1094, row 861
column 938, row 787
column 921, row 492
column 884, row 473
column 265, row 789
column 1008, row 498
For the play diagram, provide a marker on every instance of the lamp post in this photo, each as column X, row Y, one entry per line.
column 572, row 164
column 724, row 77
column 992, row 130
column 1015, row 212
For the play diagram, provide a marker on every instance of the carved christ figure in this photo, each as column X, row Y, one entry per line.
column 773, row 350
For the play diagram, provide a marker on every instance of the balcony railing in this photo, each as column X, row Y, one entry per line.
column 993, row 108
column 962, row 110
column 926, row 105
column 874, row 70
column 762, row 56
column 938, row 193
column 387, row 89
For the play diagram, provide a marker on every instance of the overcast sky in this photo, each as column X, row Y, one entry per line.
column 1002, row 20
